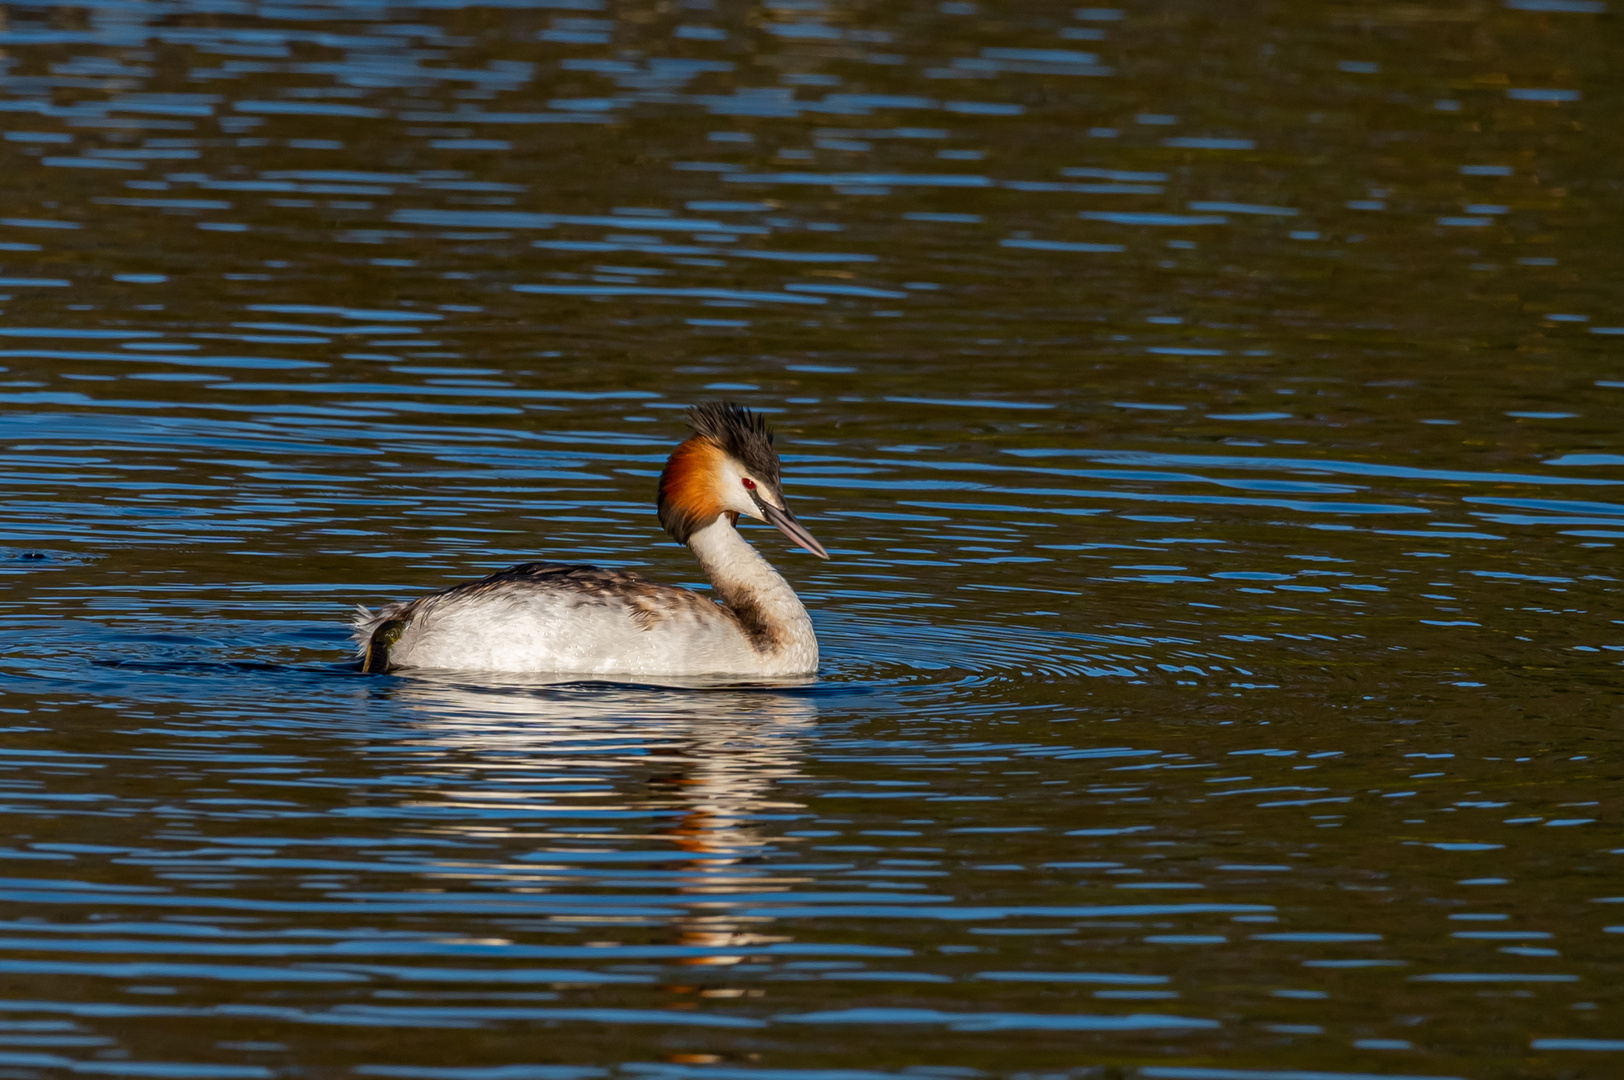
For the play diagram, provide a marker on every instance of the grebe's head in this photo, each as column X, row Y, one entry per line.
column 728, row 466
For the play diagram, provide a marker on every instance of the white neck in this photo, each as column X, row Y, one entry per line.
column 767, row 608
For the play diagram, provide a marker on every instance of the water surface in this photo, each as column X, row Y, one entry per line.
column 1212, row 414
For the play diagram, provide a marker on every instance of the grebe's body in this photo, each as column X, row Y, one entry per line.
column 550, row 618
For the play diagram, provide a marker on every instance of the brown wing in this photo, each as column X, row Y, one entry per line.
column 590, row 580
column 646, row 603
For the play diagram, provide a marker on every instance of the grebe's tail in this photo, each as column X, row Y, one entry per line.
column 375, row 632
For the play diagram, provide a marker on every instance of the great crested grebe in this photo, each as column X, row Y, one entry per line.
column 582, row 620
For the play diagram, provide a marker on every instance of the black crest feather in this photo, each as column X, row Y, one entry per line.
column 740, row 433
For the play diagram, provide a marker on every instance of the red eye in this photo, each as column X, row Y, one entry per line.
column 749, row 484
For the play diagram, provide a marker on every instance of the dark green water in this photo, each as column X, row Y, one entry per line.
column 1213, row 412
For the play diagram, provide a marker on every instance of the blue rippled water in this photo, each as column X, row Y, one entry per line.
column 1155, row 375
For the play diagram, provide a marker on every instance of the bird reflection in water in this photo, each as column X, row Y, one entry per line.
column 705, row 767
